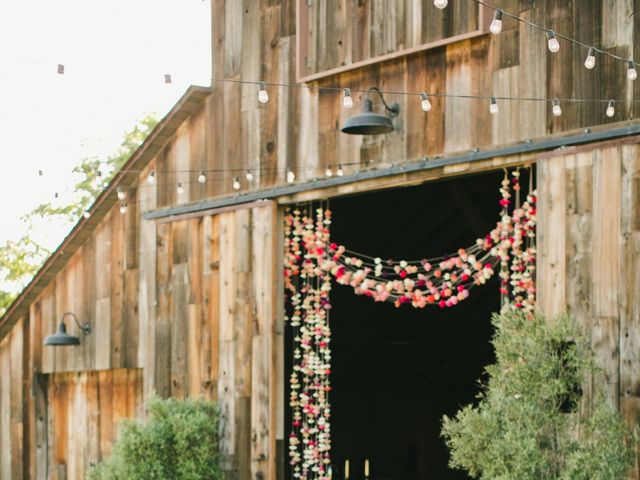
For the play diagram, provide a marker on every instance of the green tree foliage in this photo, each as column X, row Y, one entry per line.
column 528, row 424
column 179, row 441
column 20, row 260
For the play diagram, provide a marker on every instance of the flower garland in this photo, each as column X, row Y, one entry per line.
column 311, row 260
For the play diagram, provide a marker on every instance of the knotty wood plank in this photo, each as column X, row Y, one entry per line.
column 17, row 399
column 458, row 112
column 606, row 269
column 147, row 290
column 93, row 419
column 233, row 35
column 264, row 357
column 263, row 139
column 630, row 290
column 179, row 330
column 606, row 232
column 116, row 292
column 107, row 427
column 551, row 273
column 162, row 340
column 40, row 445
column 5, row 410
column 130, row 328
column 532, row 73
column 242, row 325
column 212, row 295
column 102, row 333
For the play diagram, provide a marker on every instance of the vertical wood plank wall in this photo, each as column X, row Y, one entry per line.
column 213, row 331
column 588, row 244
column 83, row 411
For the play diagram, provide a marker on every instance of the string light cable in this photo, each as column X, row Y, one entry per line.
column 551, row 34
column 423, row 97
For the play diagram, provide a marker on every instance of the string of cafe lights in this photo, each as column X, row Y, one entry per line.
column 552, row 37
column 495, row 28
column 202, row 178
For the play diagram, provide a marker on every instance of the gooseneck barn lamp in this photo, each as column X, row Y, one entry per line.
column 367, row 122
column 61, row 338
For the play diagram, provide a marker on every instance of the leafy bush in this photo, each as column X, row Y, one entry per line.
column 527, row 425
column 179, row 441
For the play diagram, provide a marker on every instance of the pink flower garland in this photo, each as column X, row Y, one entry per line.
column 311, row 260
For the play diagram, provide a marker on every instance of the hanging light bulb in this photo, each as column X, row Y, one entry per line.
column 611, row 111
column 263, row 96
column 121, row 194
column 590, row 62
column 291, row 177
column 180, row 189
column 552, row 41
column 557, row 111
column 236, row 183
column 151, row 177
column 328, row 172
column 347, row 101
column 496, row 23
column 632, row 73
column 249, row 176
column 339, row 171
column 123, row 208
column 440, row 4
column 425, row 103
column 202, row 178
column 493, row 105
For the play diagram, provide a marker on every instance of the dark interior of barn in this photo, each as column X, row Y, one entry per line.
column 397, row 371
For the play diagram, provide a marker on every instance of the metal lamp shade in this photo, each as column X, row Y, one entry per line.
column 368, row 122
column 61, row 338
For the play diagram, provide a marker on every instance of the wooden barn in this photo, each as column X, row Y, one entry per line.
column 184, row 290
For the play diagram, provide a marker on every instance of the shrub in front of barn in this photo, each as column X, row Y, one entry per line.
column 179, row 440
column 531, row 421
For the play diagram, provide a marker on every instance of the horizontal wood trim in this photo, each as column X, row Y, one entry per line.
column 405, row 174
column 388, row 57
column 214, row 211
column 302, row 17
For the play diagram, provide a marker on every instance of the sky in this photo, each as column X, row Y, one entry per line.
column 115, row 53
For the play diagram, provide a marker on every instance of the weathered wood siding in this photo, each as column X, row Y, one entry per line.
column 210, row 327
column 300, row 128
column 82, row 415
column 588, row 244
column 99, row 284
column 13, row 395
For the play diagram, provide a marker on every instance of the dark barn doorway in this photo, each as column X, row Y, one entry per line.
column 397, row 371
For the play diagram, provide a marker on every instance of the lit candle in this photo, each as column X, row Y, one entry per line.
column 366, row 468
column 346, row 469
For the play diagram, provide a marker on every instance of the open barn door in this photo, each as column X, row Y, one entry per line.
column 209, row 300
